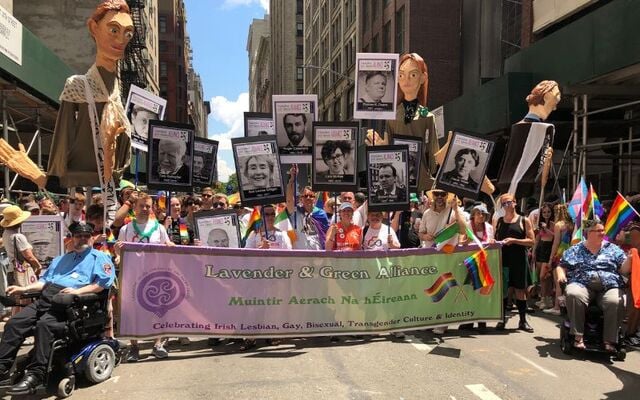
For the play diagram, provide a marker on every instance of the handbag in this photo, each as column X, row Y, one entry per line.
column 23, row 274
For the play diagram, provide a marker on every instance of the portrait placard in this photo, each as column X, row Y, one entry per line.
column 388, row 180
column 415, row 157
column 376, row 88
column 203, row 167
column 335, row 156
column 170, row 155
column 293, row 116
column 217, row 228
column 465, row 165
column 258, row 165
column 142, row 107
column 46, row 235
column 258, row 124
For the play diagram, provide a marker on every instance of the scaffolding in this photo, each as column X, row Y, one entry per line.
column 133, row 67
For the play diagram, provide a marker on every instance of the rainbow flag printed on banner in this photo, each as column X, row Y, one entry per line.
column 441, row 287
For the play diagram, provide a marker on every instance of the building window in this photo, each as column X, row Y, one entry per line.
column 400, row 31
column 299, row 73
column 299, row 29
column 375, row 44
column 299, row 51
column 163, row 47
column 350, row 96
column 337, row 111
column 365, row 15
column 163, row 90
column 386, row 38
column 162, row 23
column 163, row 69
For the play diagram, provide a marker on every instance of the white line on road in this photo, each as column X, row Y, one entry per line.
column 534, row 365
column 482, row 392
column 417, row 343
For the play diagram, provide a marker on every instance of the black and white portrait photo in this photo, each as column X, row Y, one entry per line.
column 258, row 169
column 465, row 165
column 205, row 153
column 388, row 178
column 170, row 155
column 415, row 150
column 293, row 118
column 335, row 156
column 218, row 228
column 46, row 235
column 376, row 86
column 142, row 107
column 258, row 124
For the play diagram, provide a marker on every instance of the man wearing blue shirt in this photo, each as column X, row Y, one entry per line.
column 83, row 270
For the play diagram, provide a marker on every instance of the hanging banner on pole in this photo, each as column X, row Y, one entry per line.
column 186, row 291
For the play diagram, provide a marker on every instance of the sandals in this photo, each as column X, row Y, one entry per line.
column 579, row 344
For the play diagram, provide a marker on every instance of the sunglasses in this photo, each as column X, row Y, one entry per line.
column 206, row 196
column 507, row 203
column 439, row 194
column 308, row 196
column 219, row 204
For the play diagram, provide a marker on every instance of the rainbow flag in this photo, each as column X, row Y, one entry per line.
column 479, row 270
column 441, row 287
column 162, row 201
column 321, row 199
column 621, row 213
column 597, row 206
column 591, row 207
column 254, row 223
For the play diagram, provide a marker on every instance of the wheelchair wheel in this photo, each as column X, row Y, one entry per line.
column 65, row 388
column 100, row 364
column 566, row 344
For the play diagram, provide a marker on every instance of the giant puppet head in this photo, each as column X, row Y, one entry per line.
column 544, row 99
column 413, row 78
column 112, row 28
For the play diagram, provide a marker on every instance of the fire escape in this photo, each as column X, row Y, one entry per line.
column 133, row 66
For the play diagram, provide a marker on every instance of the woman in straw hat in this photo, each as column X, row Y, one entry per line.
column 14, row 241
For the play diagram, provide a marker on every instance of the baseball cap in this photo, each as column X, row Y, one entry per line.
column 345, row 206
column 78, row 227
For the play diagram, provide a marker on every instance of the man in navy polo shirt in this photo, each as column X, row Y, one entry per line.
column 83, row 270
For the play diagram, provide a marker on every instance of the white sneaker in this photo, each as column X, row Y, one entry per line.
column 440, row 331
column 540, row 304
column 184, row 341
column 552, row 311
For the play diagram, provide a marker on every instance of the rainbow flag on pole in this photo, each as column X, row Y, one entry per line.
column 254, row 223
column 621, row 213
column 441, row 287
column 479, row 271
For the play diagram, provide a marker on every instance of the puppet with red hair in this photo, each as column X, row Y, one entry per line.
column 412, row 116
column 91, row 144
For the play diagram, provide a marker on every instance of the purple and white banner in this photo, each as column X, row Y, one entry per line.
column 190, row 291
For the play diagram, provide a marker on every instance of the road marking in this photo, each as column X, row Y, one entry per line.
column 417, row 343
column 534, row 365
column 482, row 392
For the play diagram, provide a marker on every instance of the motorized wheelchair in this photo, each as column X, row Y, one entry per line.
column 593, row 331
column 81, row 350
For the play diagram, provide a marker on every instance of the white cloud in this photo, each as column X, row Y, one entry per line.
column 224, row 171
column 230, row 114
column 236, row 3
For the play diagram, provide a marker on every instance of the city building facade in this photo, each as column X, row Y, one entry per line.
column 287, row 46
column 259, row 50
column 172, row 56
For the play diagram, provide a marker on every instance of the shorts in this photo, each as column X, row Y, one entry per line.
column 543, row 251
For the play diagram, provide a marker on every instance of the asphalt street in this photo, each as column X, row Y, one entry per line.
column 458, row 365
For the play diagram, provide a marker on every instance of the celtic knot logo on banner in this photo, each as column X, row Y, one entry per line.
column 161, row 291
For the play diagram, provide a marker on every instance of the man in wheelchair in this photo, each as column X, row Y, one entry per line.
column 83, row 270
column 593, row 273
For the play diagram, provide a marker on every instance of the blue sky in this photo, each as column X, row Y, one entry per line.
column 218, row 31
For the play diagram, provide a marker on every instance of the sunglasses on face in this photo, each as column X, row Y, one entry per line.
column 439, row 194
column 507, row 203
column 207, row 196
column 308, row 196
column 219, row 205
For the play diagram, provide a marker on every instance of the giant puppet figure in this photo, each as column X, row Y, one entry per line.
column 530, row 143
column 412, row 116
column 91, row 143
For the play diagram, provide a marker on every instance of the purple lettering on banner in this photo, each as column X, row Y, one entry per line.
column 160, row 291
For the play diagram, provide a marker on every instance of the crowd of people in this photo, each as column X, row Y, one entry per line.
column 538, row 256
